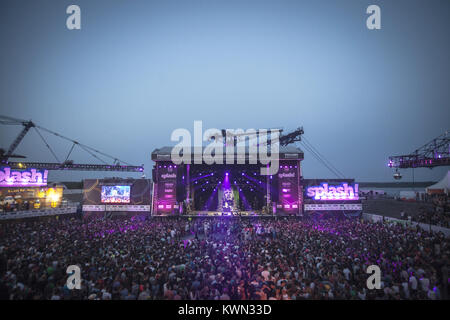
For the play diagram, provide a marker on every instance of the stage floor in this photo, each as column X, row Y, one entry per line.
column 225, row 214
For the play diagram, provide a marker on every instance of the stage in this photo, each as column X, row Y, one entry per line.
column 200, row 189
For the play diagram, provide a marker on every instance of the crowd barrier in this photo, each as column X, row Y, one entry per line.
column 37, row 213
column 424, row 226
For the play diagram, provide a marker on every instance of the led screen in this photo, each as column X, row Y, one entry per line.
column 115, row 194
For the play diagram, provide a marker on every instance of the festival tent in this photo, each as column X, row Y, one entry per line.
column 442, row 186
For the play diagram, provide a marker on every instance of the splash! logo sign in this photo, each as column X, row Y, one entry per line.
column 23, row 178
column 340, row 192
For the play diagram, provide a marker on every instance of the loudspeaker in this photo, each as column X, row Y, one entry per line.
column 181, row 183
column 154, row 176
column 274, row 189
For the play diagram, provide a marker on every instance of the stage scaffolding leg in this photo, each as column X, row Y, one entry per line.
column 268, row 190
column 188, row 185
column 153, row 198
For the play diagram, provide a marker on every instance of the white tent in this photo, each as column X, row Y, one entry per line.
column 441, row 186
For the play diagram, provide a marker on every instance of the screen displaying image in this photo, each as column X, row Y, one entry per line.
column 115, row 194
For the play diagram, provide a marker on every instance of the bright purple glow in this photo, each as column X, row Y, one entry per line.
column 226, row 182
column 340, row 192
column 25, row 178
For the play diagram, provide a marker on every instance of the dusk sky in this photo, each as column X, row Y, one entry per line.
column 137, row 70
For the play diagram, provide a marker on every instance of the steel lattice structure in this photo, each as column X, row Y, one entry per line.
column 433, row 154
column 67, row 164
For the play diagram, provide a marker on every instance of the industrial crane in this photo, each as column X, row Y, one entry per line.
column 67, row 164
column 435, row 153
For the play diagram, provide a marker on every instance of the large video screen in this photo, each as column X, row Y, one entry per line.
column 115, row 194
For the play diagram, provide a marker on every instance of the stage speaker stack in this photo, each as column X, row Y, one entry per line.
column 181, row 183
column 274, row 188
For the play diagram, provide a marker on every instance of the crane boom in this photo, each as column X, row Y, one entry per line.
column 433, row 154
column 26, row 127
column 66, row 165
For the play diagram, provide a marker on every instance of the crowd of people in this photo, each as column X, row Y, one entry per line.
column 10, row 205
column 439, row 215
column 141, row 258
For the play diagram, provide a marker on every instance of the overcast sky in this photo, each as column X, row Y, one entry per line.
column 137, row 70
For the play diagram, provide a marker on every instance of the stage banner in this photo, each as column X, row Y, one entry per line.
column 90, row 207
column 38, row 213
column 331, row 189
column 288, row 187
column 333, row 206
column 166, row 187
column 22, row 178
column 128, row 208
